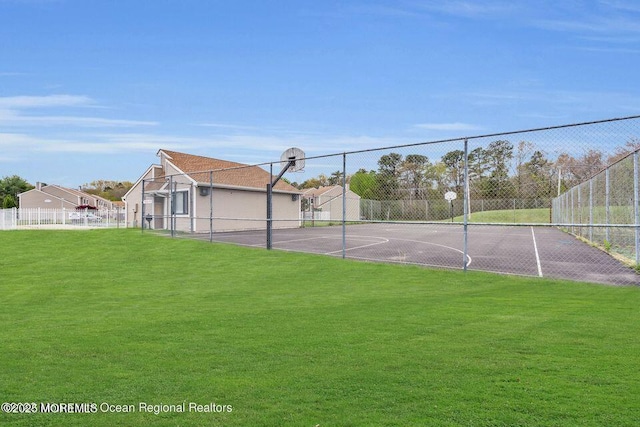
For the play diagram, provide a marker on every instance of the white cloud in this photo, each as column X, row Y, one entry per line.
column 596, row 24
column 609, row 17
column 488, row 9
column 621, row 50
column 226, row 126
column 25, row 145
column 631, row 6
column 11, row 112
column 248, row 148
column 8, row 119
column 470, row 9
column 11, row 74
column 21, row 102
column 272, row 144
column 447, row 126
column 14, row 142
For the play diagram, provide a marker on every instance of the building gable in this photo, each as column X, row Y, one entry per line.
column 56, row 196
column 226, row 173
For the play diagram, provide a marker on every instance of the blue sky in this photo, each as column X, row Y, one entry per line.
column 91, row 89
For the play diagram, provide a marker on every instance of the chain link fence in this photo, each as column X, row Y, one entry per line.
column 603, row 210
column 559, row 202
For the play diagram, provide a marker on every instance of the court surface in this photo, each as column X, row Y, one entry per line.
column 521, row 250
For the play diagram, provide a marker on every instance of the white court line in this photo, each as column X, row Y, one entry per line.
column 407, row 240
column 382, row 241
column 535, row 246
column 442, row 246
column 294, row 240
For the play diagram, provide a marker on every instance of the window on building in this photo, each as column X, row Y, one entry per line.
column 181, row 203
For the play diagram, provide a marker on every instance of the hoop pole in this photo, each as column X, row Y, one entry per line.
column 270, row 186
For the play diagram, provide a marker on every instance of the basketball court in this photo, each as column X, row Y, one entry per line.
column 520, row 250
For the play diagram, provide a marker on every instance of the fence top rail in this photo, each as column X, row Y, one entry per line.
column 415, row 144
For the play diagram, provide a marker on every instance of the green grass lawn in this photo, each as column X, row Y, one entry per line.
column 510, row 216
column 123, row 318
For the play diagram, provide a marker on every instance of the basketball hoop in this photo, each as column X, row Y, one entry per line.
column 450, row 196
column 292, row 160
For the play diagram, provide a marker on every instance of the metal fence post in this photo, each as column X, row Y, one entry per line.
column 591, row 210
column 607, row 203
column 573, row 231
column 171, row 205
column 465, row 205
column 142, row 208
column 192, row 208
column 269, row 209
column 580, row 220
column 210, row 206
column 344, row 205
column 636, row 209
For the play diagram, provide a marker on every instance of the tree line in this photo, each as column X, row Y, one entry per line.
column 11, row 186
column 107, row 189
column 500, row 170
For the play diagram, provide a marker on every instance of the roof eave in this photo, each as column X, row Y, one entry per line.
column 244, row 188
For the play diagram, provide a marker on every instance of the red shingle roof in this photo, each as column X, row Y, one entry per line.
column 225, row 172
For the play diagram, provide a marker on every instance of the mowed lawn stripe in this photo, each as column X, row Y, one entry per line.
column 120, row 317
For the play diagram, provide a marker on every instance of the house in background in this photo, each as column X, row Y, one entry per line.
column 326, row 204
column 57, row 197
column 187, row 192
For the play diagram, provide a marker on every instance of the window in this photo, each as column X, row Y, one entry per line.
column 181, row 203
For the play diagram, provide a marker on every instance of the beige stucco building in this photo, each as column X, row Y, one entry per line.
column 326, row 203
column 45, row 196
column 192, row 193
